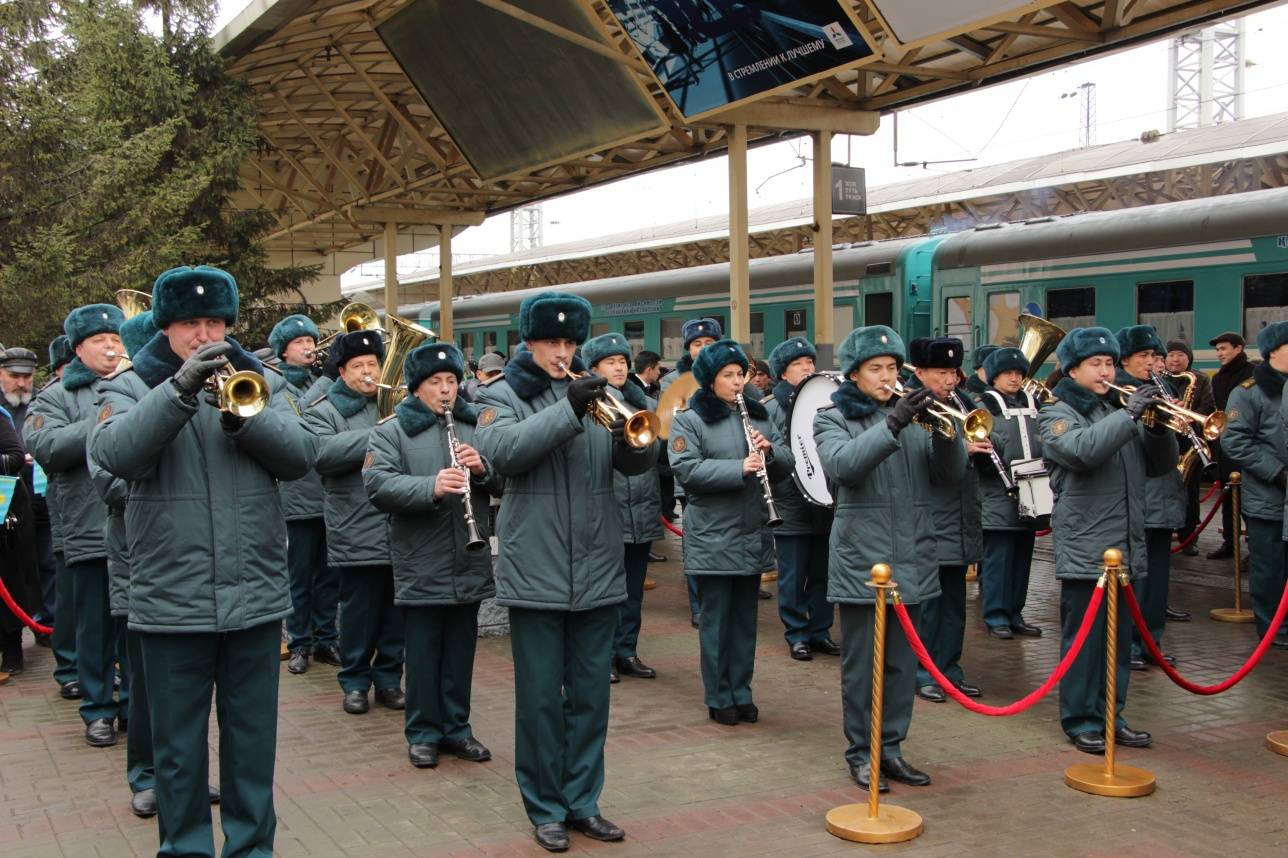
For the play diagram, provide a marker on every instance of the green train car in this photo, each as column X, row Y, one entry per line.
column 1192, row 269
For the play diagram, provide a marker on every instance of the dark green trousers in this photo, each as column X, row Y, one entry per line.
column 440, row 669
column 371, row 630
column 63, row 640
column 943, row 625
column 561, row 663
column 1082, row 691
column 241, row 669
column 1267, row 565
column 630, row 612
column 140, row 773
column 727, row 637
column 315, row 587
column 1152, row 591
column 899, row 682
column 100, row 644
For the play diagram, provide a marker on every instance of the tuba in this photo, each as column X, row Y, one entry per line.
column 132, row 302
column 1038, row 339
column 403, row 336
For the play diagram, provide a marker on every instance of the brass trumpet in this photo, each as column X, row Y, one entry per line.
column 976, row 423
column 1212, row 425
column 244, row 393
column 641, row 427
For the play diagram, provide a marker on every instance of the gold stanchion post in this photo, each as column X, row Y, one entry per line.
column 875, row 822
column 1111, row 779
column 1237, row 614
column 286, row 653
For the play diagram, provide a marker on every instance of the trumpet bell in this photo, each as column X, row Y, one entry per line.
column 978, row 425
column 243, row 393
column 641, row 429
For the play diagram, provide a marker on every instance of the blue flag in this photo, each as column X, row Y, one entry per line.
column 8, row 485
column 38, row 479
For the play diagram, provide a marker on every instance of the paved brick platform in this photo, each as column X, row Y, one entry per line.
column 682, row 786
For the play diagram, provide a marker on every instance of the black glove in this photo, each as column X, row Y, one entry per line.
column 330, row 368
column 583, row 391
column 618, row 428
column 1139, row 402
column 192, row 375
column 908, row 407
column 230, row 422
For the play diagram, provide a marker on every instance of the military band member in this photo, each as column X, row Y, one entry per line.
column 1255, row 441
column 882, row 468
column 1180, row 358
column 1139, row 347
column 697, row 334
column 559, row 569
column 725, row 521
column 1235, row 369
column 801, row 540
column 1099, row 456
column 956, row 505
column 63, row 640
column 315, row 584
column 56, row 431
column 207, row 551
column 977, row 383
column 637, row 503
column 1008, row 539
column 357, row 539
column 438, row 583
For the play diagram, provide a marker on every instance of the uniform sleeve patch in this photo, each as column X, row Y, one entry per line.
column 1232, row 414
column 1059, row 427
column 105, row 413
column 487, row 416
column 678, row 445
column 35, row 421
column 371, row 457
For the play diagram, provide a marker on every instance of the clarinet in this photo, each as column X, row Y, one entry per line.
column 473, row 541
column 1008, row 482
column 762, row 474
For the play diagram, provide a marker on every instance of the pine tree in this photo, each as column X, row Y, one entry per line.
column 120, row 143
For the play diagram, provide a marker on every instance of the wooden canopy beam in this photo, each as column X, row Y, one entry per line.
column 800, row 117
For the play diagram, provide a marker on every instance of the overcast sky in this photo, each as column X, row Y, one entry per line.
column 1001, row 123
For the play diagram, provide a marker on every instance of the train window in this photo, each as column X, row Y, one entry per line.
column 511, row 341
column 878, row 309
column 634, row 331
column 600, row 328
column 1169, row 307
column 758, row 334
column 467, row 345
column 1072, row 308
column 1004, row 318
column 672, row 339
column 721, row 319
column 957, row 320
column 489, row 341
column 1265, row 300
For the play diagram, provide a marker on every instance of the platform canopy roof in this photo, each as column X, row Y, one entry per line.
column 349, row 141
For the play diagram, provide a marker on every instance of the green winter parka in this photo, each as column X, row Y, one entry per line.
column 357, row 533
column 800, row 517
column 560, row 533
column 1254, row 438
column 427, row 536
column 1165, row 498
column 302, row 498
column 205, row 534
column 1099, row 459
column 639, row 497
column 959, row 537
column 115, row 492
column 726, row 530
column 882, row 488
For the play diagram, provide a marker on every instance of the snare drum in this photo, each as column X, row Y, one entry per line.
column 810, row 395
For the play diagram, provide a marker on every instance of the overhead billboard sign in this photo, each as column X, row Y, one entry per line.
column 711, row 54
column 918, row 22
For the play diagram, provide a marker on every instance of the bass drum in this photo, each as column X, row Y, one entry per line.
column 810, row 395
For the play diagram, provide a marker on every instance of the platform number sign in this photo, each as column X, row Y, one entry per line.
column 849, row 190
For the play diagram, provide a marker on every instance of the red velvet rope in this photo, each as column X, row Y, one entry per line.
column 1191, row 687
column 1195, row 535
column 21, row 614
column 671, row 527
column 910, row 632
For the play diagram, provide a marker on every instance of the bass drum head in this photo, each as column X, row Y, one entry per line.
column 811, row 395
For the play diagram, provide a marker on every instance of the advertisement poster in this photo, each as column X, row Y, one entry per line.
column 709, row 54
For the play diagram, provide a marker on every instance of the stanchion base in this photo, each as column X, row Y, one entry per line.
column 972, row 573
column 1231, row 615
column 1278, row 742
column 650, row 583
column 1125, row 782
column 893, row 824
column 4, row 679
column 286, row 653
column 769, row 578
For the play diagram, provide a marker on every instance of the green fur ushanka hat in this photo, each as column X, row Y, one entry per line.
column 60, row 351
column 292, row 327
column 430, row 359
column 787, row 351
column 85, row 322
column 1002, row 360
column 1082, row 343
column 602, row 346
column 354, row 344
column 194, row 292
column 554, row 316
column 982, row 353
column 863, row 344
column 136, row 332
column 1138, row 338
column 695, row 328
column 1272, row 337
column 715, row 357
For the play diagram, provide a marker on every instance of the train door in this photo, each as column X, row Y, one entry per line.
column 957, row 308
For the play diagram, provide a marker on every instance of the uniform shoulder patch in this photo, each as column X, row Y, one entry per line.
column 766, row 400
column 383, row 420
column 1059, row 427
column 104, row 413
column 487, row 416
column 371, row 457
column 316, row 401
column 1247, row 384
column 677, row 445
column 35, row 421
